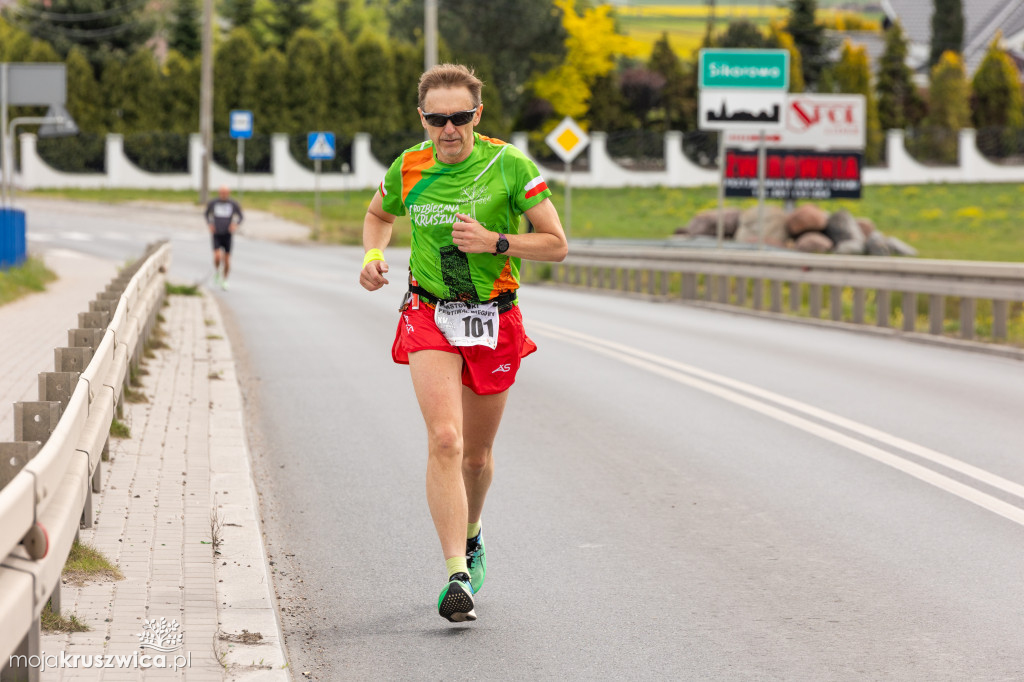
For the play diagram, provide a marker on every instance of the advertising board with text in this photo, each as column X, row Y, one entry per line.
column 795, row 174
column 812, row 121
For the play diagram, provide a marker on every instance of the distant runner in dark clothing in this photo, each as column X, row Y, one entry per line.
column 223, row 215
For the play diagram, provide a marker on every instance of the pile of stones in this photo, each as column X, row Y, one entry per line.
column 807, row 228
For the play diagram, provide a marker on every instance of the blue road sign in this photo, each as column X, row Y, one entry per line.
column 320, row 146
column 241, row 124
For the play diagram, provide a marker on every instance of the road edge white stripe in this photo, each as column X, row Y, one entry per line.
column 934, row 478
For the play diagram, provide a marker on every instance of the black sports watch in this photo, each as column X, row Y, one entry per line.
column 502, row 245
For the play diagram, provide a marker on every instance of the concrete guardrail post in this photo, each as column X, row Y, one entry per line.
column 71, row 359
column 35, row 421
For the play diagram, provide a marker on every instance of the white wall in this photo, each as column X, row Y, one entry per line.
column 367, row 171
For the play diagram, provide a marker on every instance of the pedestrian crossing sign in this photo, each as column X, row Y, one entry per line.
column 320, row 146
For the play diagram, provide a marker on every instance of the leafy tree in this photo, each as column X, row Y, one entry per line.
column 376, row 104
column 307, row 84
column 997, row 101
column 270, row 77
column 899, row 103
column 357, row 16
column 234, row 86
column 743, row 33
column 853, row 75
column 14, row 42
column 642, row 89
column 796, row 70
column 947, row 29
column 94, row 25
column 516, row 39
column 608, row 110
column 186, row 35
column 809, row 38
column 179, row 94
column 948, row 108
column 241, row 13
column 141, row 102
column 112, row 89
column 674, row 99
column 592, row 47
column 288, row 18
column 81, row 95
column 41, row 51
column 342, row 83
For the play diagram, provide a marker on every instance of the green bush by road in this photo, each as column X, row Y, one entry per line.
column 964, row 222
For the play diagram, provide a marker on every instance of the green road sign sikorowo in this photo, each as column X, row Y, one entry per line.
column 760, row 69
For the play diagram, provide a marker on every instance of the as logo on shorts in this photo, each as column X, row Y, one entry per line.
column 507, row 367
column 408, row 325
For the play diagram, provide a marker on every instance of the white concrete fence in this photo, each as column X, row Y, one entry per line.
column 367, row 171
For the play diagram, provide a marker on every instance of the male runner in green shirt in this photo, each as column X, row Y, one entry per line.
column 460, row 329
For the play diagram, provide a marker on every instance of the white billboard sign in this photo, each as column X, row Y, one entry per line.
column 812, row 121
column 722, row 109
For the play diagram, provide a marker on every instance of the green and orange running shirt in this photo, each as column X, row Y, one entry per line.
column 495, row 185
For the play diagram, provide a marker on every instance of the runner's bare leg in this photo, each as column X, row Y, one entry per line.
column 481, row 416
column 437, row 380
column 227, row 264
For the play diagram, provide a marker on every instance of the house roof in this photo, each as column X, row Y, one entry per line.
column 982, row 19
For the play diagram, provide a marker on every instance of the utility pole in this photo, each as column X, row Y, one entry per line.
column 429, row 34
column 206, row 102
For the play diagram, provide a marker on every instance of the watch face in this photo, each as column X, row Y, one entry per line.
column 502, row 243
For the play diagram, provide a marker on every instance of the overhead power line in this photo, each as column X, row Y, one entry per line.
column 31, row 12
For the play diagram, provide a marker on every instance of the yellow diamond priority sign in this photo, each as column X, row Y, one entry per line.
column 567, row 139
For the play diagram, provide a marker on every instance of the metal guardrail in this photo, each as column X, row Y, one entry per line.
column 59, row 444
column 957, row 302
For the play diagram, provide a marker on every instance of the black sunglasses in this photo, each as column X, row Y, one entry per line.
column 459, row 118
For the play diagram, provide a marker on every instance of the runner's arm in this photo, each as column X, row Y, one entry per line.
column 377, row 227
column 547, row 243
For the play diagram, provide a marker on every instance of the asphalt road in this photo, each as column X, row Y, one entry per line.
column 680, row 493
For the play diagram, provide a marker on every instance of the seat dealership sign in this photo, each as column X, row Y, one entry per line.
column 813, row 121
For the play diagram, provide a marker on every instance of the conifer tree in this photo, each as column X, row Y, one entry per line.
column 307, row 83
column 947, row 29
column 377, row 86
column 853, row 75
column 809, row 38
column 185, row 35
column 97, row 26
column 948, row 107
column 270, row 78
column 179, row 94
column 666, row 62
column 899, row 102
column 141, row 102
column 997, row 102
column 234, row 85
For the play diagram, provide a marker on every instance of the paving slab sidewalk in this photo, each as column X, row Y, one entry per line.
column 178, row 511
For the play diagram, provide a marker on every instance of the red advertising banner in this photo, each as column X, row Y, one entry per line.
column 795, row 174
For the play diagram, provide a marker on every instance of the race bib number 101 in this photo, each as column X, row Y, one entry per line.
column 468, row 324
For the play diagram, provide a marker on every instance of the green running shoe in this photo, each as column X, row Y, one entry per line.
column 455, row 602
column 476, row 559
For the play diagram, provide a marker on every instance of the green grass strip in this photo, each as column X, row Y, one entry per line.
column 29, row 277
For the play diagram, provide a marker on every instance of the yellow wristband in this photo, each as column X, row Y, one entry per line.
column 372, row 255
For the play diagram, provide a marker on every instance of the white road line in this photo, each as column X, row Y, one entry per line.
column 686, row 374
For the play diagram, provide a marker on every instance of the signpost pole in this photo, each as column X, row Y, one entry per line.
column 3, row 133
column 720, row 228
column 241, row 166
column 568, row 199
column 316, row 194
column 760, row 190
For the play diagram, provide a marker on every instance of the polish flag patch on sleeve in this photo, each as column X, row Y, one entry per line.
column 383, row 189
column 535, row 187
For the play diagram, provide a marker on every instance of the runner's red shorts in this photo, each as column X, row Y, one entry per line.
column 484, row 371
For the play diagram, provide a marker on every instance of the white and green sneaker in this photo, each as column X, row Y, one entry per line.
column 455, row 603
column 476, row 560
